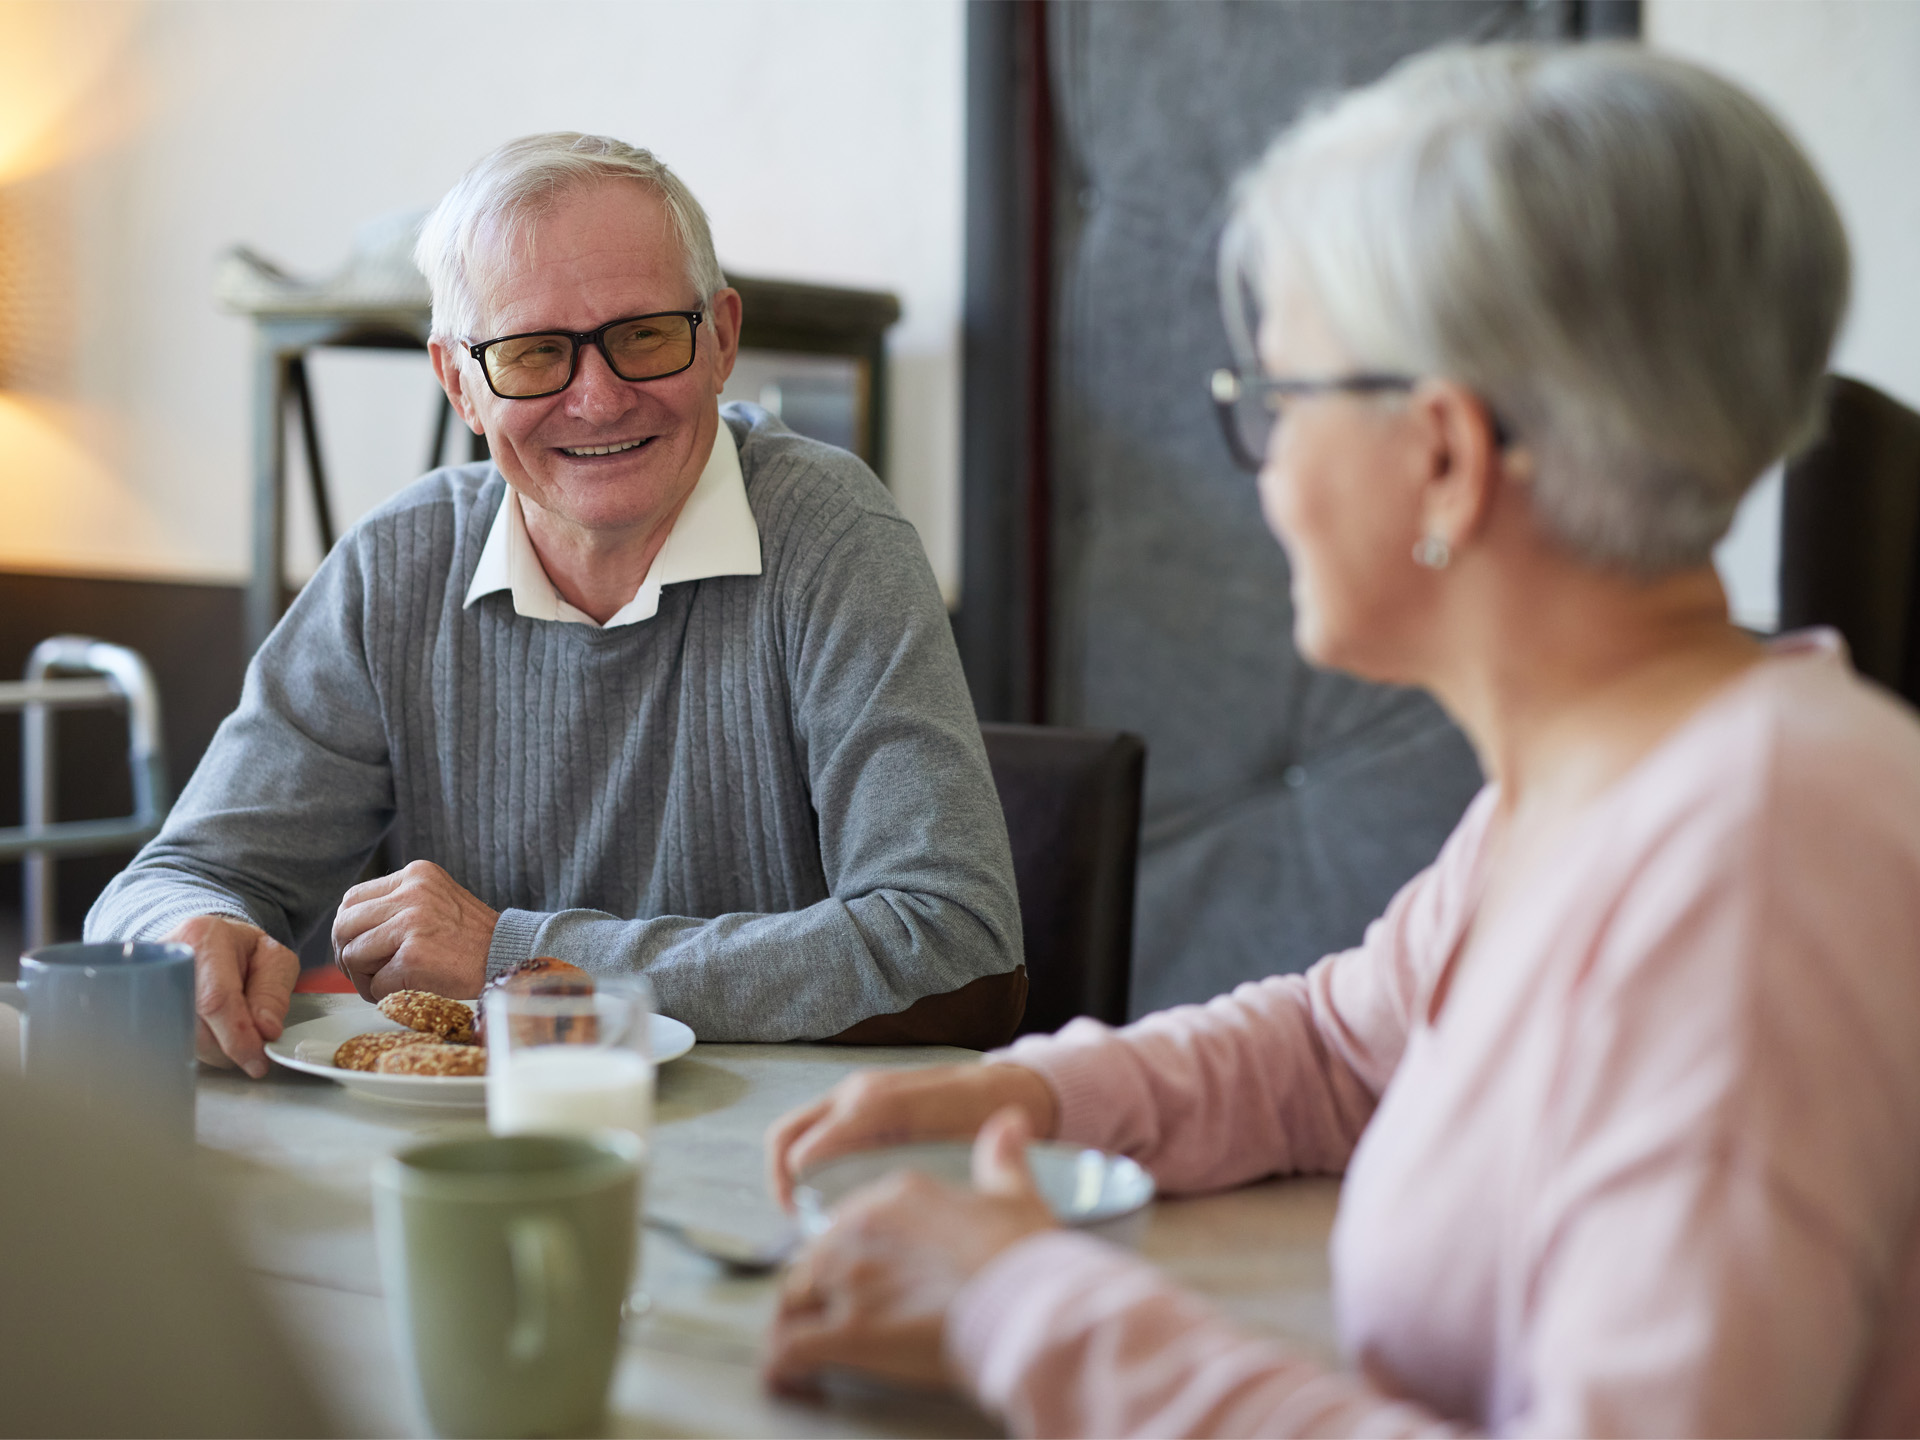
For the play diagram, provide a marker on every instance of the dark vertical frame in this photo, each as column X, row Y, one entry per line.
column 1606, row 19
column 1004, row 621
column 1005, row 497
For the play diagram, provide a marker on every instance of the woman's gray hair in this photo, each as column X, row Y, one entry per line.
column 1625, row 256
column 515, row 185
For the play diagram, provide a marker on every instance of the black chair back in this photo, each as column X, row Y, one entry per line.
column 1850, row 534
column 1072, row 801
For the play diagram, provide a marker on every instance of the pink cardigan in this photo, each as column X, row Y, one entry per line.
column 1654, row 1169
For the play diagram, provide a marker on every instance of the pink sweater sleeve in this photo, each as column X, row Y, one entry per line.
column 1278, row 1077
column 1064, row 1335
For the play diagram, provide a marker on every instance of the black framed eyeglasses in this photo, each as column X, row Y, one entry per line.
column 1248, row 404
column 543, row 362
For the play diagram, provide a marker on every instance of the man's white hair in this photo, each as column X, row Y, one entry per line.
column 1625, row 256
column 512, row 187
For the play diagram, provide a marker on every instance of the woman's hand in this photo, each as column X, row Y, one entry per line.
column 895, row 1107
column 872, row 1293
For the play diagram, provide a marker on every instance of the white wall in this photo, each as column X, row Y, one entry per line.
column 824, row 137
column 1844, row 75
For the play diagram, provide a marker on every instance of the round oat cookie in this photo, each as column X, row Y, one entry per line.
column 434, row 1015
column 362, row 1052
column 433, row 1058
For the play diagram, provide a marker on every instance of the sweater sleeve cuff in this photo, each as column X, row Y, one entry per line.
column 1070, row 1062
column 160, row 923
column 514, row 934
column 985, row 1343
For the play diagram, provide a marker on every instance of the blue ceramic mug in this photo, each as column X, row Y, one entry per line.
column 110, row 1026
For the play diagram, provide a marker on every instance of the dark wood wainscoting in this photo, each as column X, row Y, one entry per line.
column 190, row 636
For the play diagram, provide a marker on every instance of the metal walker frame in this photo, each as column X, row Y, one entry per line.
column 102, row 676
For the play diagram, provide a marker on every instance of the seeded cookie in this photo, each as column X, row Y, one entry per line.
column 433, row 1058
column 433, row 1015
column 363, row 1052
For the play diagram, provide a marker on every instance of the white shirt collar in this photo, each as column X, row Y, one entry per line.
column 714, row 534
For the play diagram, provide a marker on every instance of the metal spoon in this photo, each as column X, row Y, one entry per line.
column 736, row 1253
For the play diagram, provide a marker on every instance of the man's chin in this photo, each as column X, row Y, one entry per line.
column 621, row 498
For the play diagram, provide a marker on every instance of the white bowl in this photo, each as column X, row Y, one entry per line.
column 1105, row 1195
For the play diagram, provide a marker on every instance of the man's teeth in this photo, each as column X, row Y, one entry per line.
column 600, row 449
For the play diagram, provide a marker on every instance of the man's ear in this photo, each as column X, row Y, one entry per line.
column 1465, row 460
column 446, row 369
column 724, row 311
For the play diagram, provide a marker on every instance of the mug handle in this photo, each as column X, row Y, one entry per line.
column 546, row 1273
column 13, row 1056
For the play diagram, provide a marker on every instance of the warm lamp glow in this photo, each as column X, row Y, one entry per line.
column 54, row 58
column 68, row 90
column 64, row 506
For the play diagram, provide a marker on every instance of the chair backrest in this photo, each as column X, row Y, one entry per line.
column 1072, row 801
column 1850, row 534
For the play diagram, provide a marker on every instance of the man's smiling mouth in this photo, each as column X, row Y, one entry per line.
column 578, row 451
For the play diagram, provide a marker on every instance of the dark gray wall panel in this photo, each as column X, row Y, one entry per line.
column 1284, row 804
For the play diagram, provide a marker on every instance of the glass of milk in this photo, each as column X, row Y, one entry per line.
column 560, row 1062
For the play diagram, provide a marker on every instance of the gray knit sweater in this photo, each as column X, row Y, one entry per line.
column 771, row 798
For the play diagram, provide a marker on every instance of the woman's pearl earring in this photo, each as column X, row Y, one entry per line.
column 1432, row 552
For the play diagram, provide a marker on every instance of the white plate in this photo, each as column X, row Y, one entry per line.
column 309, row 1046
column 1087, row 1189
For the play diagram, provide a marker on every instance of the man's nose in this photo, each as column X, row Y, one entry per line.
column 597, row 393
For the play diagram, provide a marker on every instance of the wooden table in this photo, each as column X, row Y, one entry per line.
column 291, row 1156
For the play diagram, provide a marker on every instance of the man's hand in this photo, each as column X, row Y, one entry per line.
column 894, row 1107
column 873, row 1292
column 242, row 981
column 416, row 929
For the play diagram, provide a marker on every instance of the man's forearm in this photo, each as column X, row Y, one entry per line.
column 148, row 902
column 912, row 967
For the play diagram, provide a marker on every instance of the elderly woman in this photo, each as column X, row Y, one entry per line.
column 1626, row 1087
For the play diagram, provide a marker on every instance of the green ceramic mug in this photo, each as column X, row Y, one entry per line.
column 505, row 1260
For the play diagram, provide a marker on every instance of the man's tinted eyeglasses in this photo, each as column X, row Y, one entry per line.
column 543, row 362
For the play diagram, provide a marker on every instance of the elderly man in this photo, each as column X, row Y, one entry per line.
column 661, row 689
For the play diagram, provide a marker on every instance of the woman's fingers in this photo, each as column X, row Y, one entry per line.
column 1000, row 1156
column 801, row 1343
column 860, row 1112
column 895, row 1107
column 781, row 1136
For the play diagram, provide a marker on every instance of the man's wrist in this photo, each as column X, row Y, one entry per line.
column 514, row 936
column 165, row 926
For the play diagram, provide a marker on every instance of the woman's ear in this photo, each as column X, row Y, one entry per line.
column 1466, row 463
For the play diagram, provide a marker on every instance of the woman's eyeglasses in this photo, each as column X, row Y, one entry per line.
column 1249, row 404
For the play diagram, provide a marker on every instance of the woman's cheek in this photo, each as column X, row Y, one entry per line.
column 1273, row 502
